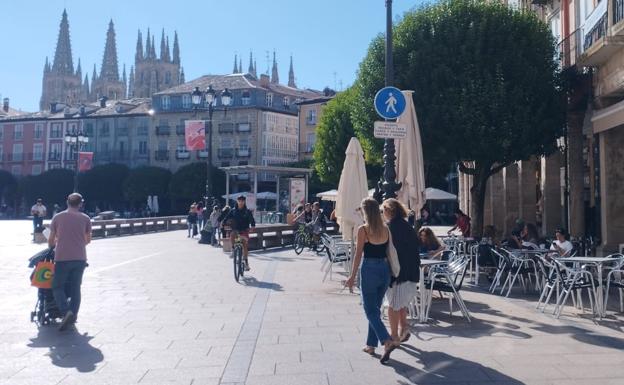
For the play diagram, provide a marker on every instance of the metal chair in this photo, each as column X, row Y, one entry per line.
column 449, row 279
column 615, row 278
column 573, row 280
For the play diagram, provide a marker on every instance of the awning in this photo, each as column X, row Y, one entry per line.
column 609, row 117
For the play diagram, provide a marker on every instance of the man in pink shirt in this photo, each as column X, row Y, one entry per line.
column 70, row 232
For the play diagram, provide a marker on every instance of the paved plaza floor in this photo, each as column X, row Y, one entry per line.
column 163, row 309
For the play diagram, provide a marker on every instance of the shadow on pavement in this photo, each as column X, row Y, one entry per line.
column 68, row 349
column 443, row 368
column 253, row 282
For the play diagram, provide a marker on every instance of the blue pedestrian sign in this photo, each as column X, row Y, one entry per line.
column 389, row 102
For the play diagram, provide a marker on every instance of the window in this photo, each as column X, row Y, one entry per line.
column 89, row 129
column 38, row 131
column 143, row 147
column 18, row 149
column 38, row 151
column 56, row 130
column 122, row 147
column 286, row 101
column 244, row 127
column 162, row 145
column 55, row 151
column 181, row 144
column 186, row 101
column 245, row 98
column 36, row 169
column 269, row 99
column 105, row 129
column 226, row 142
column 167, row 77
column 142, row 130
column 16, row 170
column 311, row 117
column 104, row 147
column 165, row 102
column 18, row 133
column 243, row 144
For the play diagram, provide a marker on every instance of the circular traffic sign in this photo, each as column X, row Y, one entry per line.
column 389, row 102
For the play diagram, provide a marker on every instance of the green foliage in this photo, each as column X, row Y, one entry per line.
column 485, row 82
column 144, row 181
column 333, row 133
column 53, row 186
column 103, row 185
column 7, row 184
column 188, row 184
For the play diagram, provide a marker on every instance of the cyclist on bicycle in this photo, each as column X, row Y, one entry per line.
column 242, row 221
column 318, row 222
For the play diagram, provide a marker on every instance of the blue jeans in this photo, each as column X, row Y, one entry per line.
column 375, row 279
column 64, row 272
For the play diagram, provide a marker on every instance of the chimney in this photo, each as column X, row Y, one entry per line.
column 82, row 110
column 264, row 80
column 67, row 111
column 53, row 107
column 103, row 100
column 5, row 104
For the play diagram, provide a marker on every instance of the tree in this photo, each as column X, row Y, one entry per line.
column 7, row 182
column 103, row 185
column 333, row 133
column 188, row 184
column 145, row 181
column 53, row 186
column 487, row 87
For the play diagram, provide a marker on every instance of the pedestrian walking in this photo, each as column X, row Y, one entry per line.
column 38, row 211
column 70, row 233
column 200, row 215
column 404, row 287
column 191, row 221
column 214, row 221
column 374, row 243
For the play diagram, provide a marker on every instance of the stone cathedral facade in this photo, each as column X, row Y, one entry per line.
column 62, row 83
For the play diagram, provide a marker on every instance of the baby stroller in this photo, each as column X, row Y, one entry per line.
column 46, row 311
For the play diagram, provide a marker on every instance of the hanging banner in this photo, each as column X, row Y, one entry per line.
column 195, row 134
column 85, row 161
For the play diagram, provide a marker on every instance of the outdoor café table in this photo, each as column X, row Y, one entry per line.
column 598, row 262
column 424, row 263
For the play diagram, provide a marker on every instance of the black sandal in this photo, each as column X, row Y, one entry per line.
column 406, row 337
column 386, row 356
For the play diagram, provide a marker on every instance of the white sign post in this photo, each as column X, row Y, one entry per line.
column 390, row 130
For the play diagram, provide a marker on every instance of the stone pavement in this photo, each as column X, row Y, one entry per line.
column 162, row 309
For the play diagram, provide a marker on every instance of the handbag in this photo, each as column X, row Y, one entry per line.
column 393, row 258
column 43, row 274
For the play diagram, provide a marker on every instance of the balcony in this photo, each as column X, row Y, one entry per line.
column 243, row 153
column 226, row 128
column 161, row 155
column 183, row 154
column 226, row 153
column 598, row 43
column 202, row 154
column 569, row 49
column 163, row 130
column 54, row 156
column 180, row 129
column 618, row 16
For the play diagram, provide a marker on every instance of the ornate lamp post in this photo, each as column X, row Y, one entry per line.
column 76, row 140
column 562, row 144
column 208, row 98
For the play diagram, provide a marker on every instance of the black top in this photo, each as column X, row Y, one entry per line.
column 242, row 219
column 377, row 251
column 406, row 243
column 192, row 218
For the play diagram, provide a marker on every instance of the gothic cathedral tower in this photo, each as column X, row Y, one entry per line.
column 108, row 84
column 153, row 73
column 61, row 84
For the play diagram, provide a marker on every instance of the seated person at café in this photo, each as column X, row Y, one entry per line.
column 561, row 244
column 429, row 244
column 530, row 238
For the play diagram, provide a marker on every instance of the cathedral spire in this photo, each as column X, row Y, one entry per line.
column 138, row 56
column 240, row 65
column 63, row 63
column 163, row 47
column 176, row 49
column 85, row 87
column 148, row 45
column 167, row 52
column 153, row 49
column 46, row 66
column 235, row 70
column 274, row 74
column 94, row 76
column 124, row 79
column 291, row 75
column 79, row 70
column 251, row 69
column 110, row 68
column 182, row 81
column 131, row 83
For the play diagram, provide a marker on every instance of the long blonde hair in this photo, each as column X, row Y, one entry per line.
column 372, row 216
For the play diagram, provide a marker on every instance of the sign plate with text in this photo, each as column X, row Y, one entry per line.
column 390, row 130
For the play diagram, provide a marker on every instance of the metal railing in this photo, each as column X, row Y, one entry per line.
column 597, row 23
column 226, row 153
column 618, row 11
column 163, row 130
column 240, row 153
column 569, row 49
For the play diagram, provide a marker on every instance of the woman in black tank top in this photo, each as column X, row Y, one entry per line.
column 372, row 244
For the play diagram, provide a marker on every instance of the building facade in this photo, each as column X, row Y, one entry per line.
column 310, row 112
column 152, row 73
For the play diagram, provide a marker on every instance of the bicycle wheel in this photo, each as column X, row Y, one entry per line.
column 238, row 255
column 299, row 243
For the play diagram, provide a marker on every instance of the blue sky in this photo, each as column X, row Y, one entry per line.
column 327, row 38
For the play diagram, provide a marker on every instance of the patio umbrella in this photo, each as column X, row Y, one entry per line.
column 434, row 194
column 352, row 188
column 409, row 162
column 329, row 195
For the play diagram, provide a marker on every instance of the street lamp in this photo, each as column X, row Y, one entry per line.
column 209, row 99
column 76, row 140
